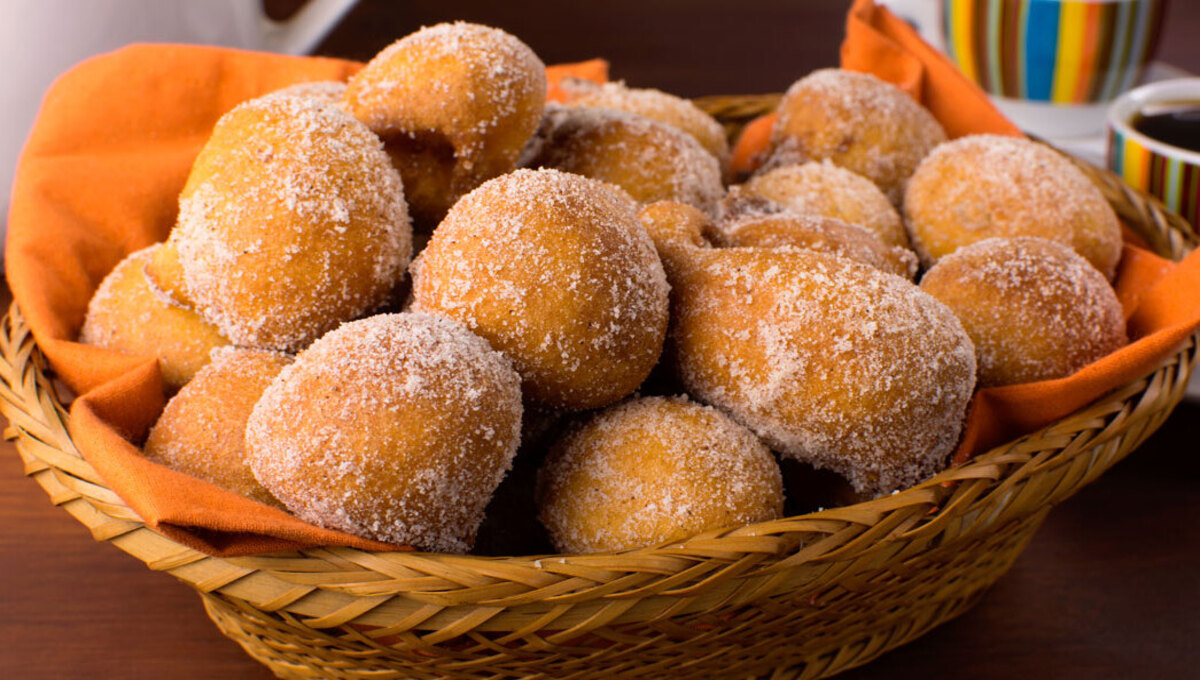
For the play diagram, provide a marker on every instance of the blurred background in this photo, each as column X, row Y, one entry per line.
column 688, row 47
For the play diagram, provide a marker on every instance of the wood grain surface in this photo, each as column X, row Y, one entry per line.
column 1107, row 590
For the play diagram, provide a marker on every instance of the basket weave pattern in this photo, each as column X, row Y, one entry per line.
column 801, row 597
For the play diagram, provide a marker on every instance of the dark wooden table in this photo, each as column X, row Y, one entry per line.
column 1108, row 589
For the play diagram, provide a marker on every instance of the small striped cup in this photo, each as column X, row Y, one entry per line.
column 1166, row 172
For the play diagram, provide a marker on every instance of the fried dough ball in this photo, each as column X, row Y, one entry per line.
column 202, row 430
column 821, row 189
column 655, row 105
column 857, row 121
column 556, row 271
column 653, row 470
column 829, row 361
column 986, row 186
column 292, row 221
column 825, row 234
column 1034, row 308
column 164, row 273
column 397, row 427
column 328, row 91
column 127, row 315
column 454, row 104
column 653, row 161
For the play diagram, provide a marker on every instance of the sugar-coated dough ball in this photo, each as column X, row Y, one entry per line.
column 292, row 221
column 126, row 314
column 986, row 186
column 653, row 470
column 556, row 271
column 398, row 427
column 454, row 103
column 829, row 361
column 652, row 161
column 656, row 105
column 826, row 234
column 1034, row 308
column 822, row 189
column 857, row 121
column 328, row 91
column 164, row 273
column 202, row 430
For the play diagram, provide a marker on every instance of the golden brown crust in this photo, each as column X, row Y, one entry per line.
column 656, row 105
column 653, row 470
column 652, row 161
column 454, row 104
column 830, row 361
column 328, row 91
column 398, row 427
column 165, row 275
column 1034, row 308
column 678, row 230
column 821, row 189
column 858, row 122
column 126, row 314
column 201, row 432
column 556, row 271
column 824, row 234
column 292, row 221
column 986, row 186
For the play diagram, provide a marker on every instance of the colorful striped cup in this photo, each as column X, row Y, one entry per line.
column 1066, row 52
column 1167, row 172
column 1051, row 65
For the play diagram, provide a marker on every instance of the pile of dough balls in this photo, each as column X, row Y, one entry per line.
column 591, row 299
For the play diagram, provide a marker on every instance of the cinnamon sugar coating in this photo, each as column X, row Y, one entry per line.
column 201, row 432
column 822, row 189
column 858, row 122
column 828, row 360
column 397, row 427
column 652, row 161
column 328, row 91
column 985, row 186
column 656, row 105
column 653, row 470
column 1034, row 308
column 127, row 314
column 292, row 221
column 454, row 104
column 826, row 234
column 556, row 271
column 164, row 273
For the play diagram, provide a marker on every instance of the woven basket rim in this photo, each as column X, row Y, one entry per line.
column 999, row 469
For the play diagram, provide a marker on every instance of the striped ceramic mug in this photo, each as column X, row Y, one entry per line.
column 1052, row 65
column 1167, row 172
column 1066, row 52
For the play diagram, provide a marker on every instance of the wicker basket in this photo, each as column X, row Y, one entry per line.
column 802, row 597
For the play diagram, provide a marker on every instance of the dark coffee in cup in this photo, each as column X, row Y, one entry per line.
column 1174, row 123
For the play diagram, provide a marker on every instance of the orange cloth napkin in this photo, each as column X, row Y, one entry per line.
column 100, row 178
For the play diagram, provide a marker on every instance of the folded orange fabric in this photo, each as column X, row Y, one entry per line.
column 100, row 178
